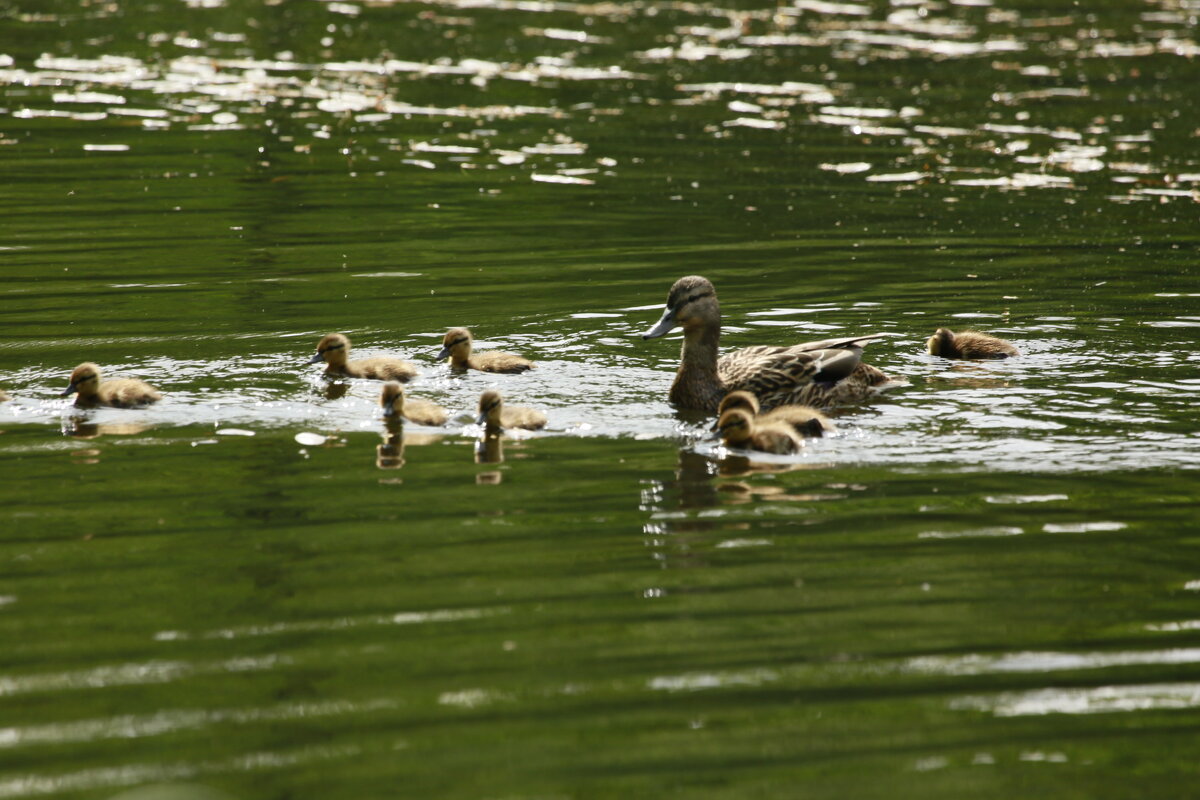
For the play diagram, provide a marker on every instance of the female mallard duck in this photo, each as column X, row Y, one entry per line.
column 334, row 350
column 421, row 412
column 820, row 374
column 457, row 345
column 806, row 421
column 740, row 430
column 494, row 414
column 968, row 344
column 119, row 393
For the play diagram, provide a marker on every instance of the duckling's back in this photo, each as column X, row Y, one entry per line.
column 127, row 393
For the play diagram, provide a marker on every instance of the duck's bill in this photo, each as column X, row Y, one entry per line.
column 389, row 412
column 443, row 355
column 317, row 358
column 662, row 327
column 481, row 419
column 69, row 390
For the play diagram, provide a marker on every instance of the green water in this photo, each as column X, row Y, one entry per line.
column 984, row 586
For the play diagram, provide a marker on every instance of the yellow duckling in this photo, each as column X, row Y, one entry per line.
column 117, row 393
column 739, row 429
column 334, row 350
column 457, row 346
column 494, row 414
column 805, row 420
column 969, row 344
column 822, row 373
column 421, row 412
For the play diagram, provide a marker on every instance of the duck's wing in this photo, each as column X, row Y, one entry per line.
column 852, row 343
column 753, row 367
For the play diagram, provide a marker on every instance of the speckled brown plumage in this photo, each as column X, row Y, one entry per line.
column 969, row 344
column 334, row 350
column 91, row 390
column 457, row 346
column 821, row 373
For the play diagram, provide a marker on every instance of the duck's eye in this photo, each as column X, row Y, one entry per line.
column 457, row 341
column 323, row 350
column 85, row 379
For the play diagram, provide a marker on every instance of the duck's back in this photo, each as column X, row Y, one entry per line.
column 127, row 393
column 980, row 345
column 381, row 368
column 424, row 412
column 805, row 420
column 496, row 361
column 776, row 438
column 520, row 417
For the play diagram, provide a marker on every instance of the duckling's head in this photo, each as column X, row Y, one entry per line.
column 392, row 399
column 942, row 343
column 456, row 345
column 490, row 404
column 85, row 379
column 691, row 305
column 738, row 399
column 736, row 426
column 333, row 349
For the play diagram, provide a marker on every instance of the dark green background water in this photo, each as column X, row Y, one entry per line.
column 986, row 585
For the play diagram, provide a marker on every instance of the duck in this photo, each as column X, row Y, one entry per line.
column 821, row 374
column 334, row 350
column 4, row 398
column 91, row 391
column 457, row 346
column 969, row 344
column 739, row 429
column 494, row 414
column 421, row 412
column 805, row 420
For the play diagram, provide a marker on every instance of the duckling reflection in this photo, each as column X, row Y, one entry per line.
column 969, row 344
column 805, row 420
column 90, row 391
column 489, row 449
column 389, row 454
column 422, row 412
column 334, row 350
column 457, row 346
column 496, row 416
column 81, row 428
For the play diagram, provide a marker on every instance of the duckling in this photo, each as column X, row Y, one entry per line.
column 493, row 413
column 4, row 396
column 118, row 393
column 334, row 350
column 421, row 412
column 968, row 344
column 457, row 345
column 739, row 429
column 805, row 420
column 820, row 374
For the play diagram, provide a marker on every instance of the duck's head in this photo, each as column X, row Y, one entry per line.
column 941, row 343
column 490, row 404
column 691, row 305
column 85, row 379
column 333, row 349
column 736, row 426
column 392, row 399
column 456, row 345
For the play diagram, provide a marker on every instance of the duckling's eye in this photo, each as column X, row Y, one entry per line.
column 323, row 351
column 457, row 341
column 85, row 379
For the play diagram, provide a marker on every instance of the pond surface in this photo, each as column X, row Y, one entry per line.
column 987, row 584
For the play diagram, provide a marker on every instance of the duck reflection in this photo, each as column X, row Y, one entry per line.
column 489, row 449
column 81, row 427
column 389, row 454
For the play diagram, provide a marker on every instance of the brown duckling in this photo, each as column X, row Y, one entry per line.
column 969, row 344
column 457, row 346
column 740, row 430
column 421, row 412
column 806, row 421
column 821, row 373
column 334, row 350
column 117, row 393
column 495, row 414
column 4, row 396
